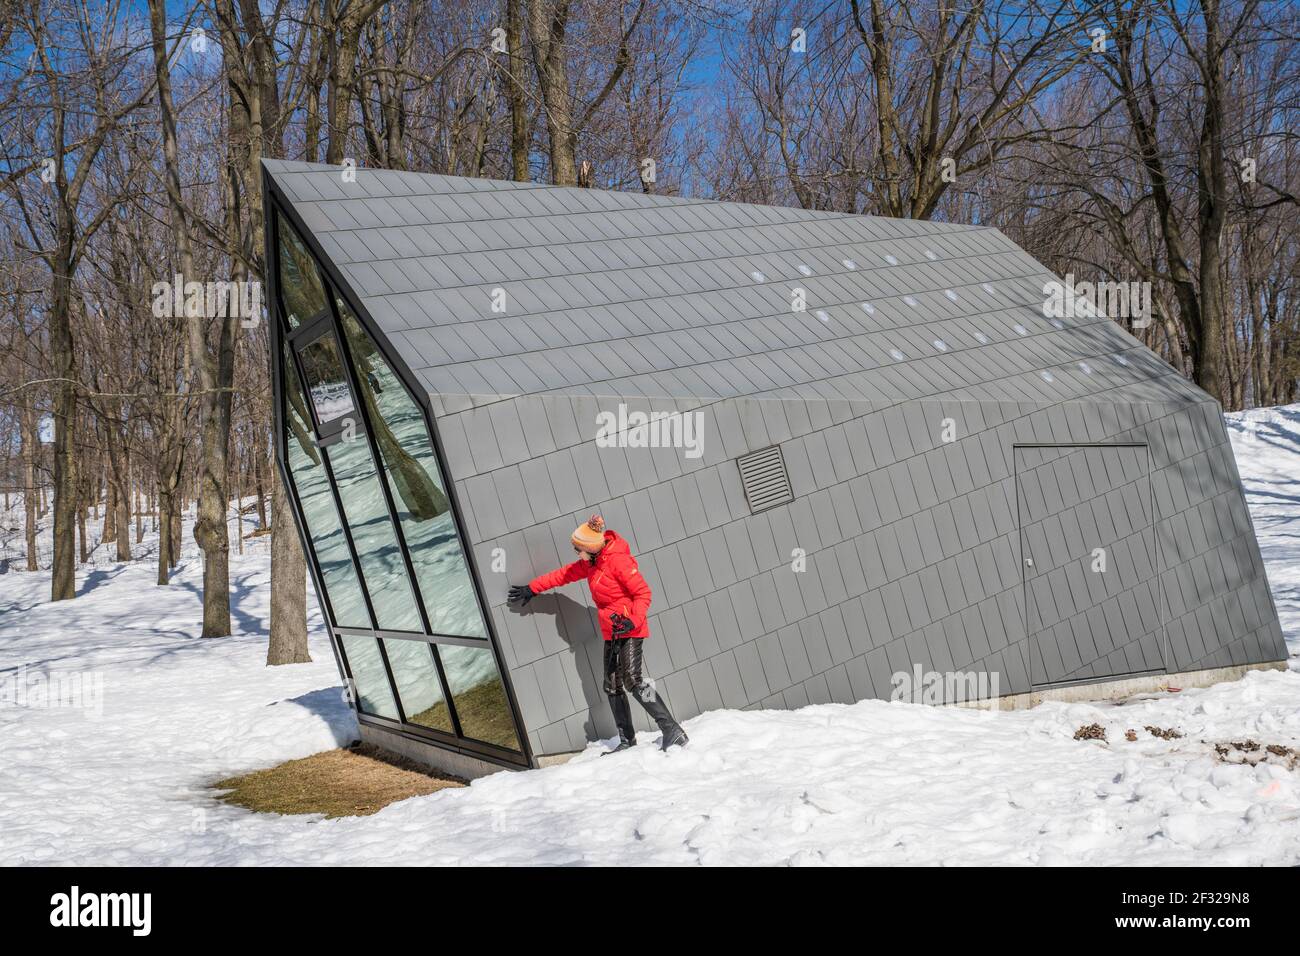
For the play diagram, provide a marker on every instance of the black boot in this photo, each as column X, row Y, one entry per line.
column 623, row 720
column 673, row 735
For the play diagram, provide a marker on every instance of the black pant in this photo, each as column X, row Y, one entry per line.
column 623, row 665
column 623, row 674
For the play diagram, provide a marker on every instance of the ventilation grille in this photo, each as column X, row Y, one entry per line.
column 766, row 482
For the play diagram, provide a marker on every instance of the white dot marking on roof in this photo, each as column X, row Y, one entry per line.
column 1085, row 368
column 986, row 287
column 941, row 345
column 892, row 260
column 804, row 270
column 909, row 300
column 981, row 338
column 758, row 276
column 823, row 315
column 1047, row 376
column 930, row 255
column 849, row 264
column 868, row 308
column 1120, row 360
column 897, row 355
column 1021, row 330
column 950, row 294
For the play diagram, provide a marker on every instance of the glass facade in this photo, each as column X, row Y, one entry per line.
column 316, row 498
column 418, row 685
column 374, row 696
column 301, row 290
column 477, row 691
column 382, row 535
column 373, row 535
column 416, row 485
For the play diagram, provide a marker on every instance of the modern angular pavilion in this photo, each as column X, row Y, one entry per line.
column 916, row 469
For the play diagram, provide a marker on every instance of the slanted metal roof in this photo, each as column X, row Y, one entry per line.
column 617, row 293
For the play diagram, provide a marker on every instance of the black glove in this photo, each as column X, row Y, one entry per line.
column 520, row 594
column 622, row 625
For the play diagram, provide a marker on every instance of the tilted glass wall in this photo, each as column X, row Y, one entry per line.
column 382, row 536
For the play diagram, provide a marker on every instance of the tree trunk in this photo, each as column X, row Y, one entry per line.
column 288, row 643
column 109, row 531
column 176, row 527
column 259, row 475
column 29, row 438
column 63, row 358
column 215, row 373
column 210, row 525
column 164, row 538
column 239, row 512
column 83, row 550
column 123, row 523
column 343, row 61
column 167, row 495
column 519, row 139
column 1211, row 371
column 546, row 26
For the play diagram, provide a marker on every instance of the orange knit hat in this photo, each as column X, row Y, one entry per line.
column 590, row 535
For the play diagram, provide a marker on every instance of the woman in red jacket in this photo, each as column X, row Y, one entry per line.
column 622, row 601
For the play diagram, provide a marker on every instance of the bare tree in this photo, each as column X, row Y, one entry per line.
column 78, row 58
column 567, row 114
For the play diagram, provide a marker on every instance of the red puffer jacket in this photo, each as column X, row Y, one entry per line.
column 616, row 585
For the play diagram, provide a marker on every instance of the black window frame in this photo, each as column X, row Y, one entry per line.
column 334, row 429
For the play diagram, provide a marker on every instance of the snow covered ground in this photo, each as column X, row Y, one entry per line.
column 122, row 777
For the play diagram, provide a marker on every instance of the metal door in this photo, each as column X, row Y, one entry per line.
column 1089, row 561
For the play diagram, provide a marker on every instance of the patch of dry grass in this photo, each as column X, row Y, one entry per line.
column 355, row 781
column 484, row 715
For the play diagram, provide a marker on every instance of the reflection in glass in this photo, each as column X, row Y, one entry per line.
column 322, row 518
column 374, row 696
column 479, row 694
column 323, row 367
column 417, row 487
column 300, row 284
column 418, row 684
column 366, row 513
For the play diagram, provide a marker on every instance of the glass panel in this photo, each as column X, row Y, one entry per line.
column 300, row 284
column 312, row 484
column 323, row 366
column 418, row 684
column 366, row 513
column 374, row 695
column 479, row 694
column 416, row 484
